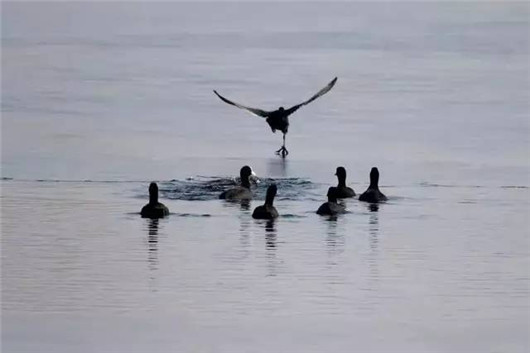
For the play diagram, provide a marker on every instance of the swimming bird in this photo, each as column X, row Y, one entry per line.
column 241, row 192
column 279, row 119
column 372, row 194
column 267, row 210
column 331, row 207
column 342, row 190
column 154, row 209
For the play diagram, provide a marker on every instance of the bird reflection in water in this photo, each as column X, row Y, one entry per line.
column 271, row 244
column 373, row 238
column 373, row 222
column 270, row 235
column 152, row 243
column 244, row 205
column 277, row 167
column 244, row 227
column 334, row 239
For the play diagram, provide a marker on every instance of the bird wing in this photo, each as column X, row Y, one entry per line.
column 320, row 93
column 255, row 111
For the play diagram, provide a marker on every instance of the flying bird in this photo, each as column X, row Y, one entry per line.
column 279, row 119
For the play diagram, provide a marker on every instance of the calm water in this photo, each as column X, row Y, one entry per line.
column 100, row 99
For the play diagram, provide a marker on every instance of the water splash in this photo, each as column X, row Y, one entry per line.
column 208, row 188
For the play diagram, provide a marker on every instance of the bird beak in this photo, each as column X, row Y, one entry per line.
column 254, row 177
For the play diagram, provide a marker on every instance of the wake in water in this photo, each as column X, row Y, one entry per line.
column 208, row 188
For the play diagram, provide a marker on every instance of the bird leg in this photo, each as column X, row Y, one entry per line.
column 283, row 151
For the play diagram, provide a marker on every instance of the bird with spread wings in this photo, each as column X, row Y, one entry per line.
column 279, row 119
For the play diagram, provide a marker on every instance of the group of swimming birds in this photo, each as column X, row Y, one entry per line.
column 155, row 209
column 278, row 120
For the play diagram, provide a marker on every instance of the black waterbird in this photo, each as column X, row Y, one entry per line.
column 267, row 210
column 154, row 209
column 372, row 194
column 279, row 119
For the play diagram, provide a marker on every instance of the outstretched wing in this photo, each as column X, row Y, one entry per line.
column 320, row 93
column 257, row 112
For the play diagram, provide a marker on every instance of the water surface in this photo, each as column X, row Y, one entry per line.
column 100, row 99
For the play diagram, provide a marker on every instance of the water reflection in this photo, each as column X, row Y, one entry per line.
column 244, row 205
column 152, row 243
column 373, row 239
column 270, row 234
column 244, row 234
column 271, row 245
column 373, row 222
column 334, row 239
column 277, row 167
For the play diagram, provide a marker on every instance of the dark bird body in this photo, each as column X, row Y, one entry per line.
column 241, row 192
column 342, row 190
column 372, row 194
column 331, row 207
column 279, row 119
column 267, row 210
column 154, row 209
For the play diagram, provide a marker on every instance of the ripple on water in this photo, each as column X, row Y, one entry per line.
column 209, row 188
